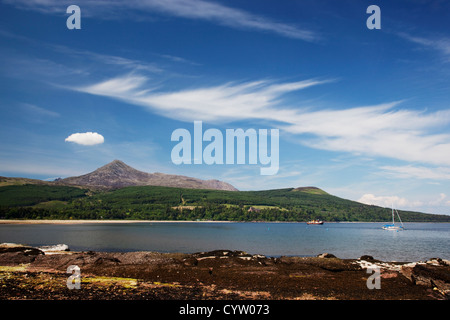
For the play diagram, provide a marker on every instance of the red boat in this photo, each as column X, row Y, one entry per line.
column 315, row 222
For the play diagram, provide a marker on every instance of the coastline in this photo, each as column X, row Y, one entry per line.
column 91, row 221
column 30, row 273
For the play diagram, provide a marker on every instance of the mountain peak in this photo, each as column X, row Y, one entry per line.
column 118, row 174
column 115, row 163
column 118, row 168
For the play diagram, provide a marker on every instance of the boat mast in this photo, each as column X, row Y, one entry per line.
column 398, row 215
column 393, row 221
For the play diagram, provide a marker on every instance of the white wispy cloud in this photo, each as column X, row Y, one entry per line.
column 227, row 102
column 45, row 66
column 211, row 11
column 440, row 44
column 178, row 59
column 236, row 18
column 381, row 130
column 419, row 172
column 39, row 111
column 86, row 138
column 116, row 61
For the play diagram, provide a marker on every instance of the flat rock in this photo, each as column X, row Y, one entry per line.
column 326, row 255
column 13, row 247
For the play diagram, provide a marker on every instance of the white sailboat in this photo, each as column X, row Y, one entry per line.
column 393, row 226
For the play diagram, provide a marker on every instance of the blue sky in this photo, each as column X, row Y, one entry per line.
column 363, row 114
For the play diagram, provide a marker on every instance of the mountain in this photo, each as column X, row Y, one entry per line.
column 118, row 191
column 117, row 174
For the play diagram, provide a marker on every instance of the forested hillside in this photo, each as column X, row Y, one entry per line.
column 166, row 203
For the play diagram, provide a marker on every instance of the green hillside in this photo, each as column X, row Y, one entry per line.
column 166, row 203
column 31, row 194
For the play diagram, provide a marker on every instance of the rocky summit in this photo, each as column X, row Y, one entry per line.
column 117, row 174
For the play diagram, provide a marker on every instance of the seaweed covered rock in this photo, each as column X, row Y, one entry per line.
column 434, row 273
column 12, row 253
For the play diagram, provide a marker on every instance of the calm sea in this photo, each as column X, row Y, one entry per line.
column 420, row 241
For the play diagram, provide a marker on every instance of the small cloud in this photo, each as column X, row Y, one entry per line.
column 86, row 138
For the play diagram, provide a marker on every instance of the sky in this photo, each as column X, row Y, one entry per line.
column 362, row 113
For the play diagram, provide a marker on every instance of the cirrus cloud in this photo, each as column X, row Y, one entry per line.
column 86, row 138
column 202, row 10
column 383, row 130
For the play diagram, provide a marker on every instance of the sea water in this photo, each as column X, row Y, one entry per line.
column 420, row 241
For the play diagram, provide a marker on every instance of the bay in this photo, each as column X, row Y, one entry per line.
column 420, row 241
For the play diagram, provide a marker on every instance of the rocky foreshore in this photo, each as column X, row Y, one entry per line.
column 41, row 273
